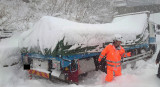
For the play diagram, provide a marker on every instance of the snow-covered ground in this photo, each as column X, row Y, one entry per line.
column 143, row 75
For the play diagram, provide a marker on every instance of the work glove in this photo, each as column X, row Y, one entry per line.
column 98, row 66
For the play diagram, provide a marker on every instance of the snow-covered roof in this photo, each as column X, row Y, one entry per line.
column 155, row 18
column 49, row 30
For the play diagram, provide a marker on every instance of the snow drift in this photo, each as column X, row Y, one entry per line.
column 9, row 50
column 48, row 31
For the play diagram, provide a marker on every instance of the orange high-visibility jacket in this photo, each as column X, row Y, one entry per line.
column 113, row 56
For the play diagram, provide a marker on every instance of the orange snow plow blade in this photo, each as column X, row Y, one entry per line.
column 38, row 73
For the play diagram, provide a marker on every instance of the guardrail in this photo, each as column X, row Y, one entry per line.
column 136, row 58
column 5, row 34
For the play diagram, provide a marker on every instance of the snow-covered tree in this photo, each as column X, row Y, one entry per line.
column 22, row 14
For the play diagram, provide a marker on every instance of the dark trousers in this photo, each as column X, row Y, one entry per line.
column 158, row 71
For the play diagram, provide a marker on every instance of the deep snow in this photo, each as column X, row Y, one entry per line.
column 49, row 30
column 143, row 75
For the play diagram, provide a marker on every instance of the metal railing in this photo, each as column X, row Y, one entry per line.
column 136, row 58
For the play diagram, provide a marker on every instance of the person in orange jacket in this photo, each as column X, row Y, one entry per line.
column 113, row 53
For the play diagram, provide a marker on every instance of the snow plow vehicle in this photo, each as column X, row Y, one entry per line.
column 60, row 49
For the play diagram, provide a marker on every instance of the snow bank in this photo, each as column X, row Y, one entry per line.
column 49, row 30
column 9, row 50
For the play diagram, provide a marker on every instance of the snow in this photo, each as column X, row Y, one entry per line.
column 56, row 73
column 143, row 75
column 10, row 48
column 49, row 30
column 155, row 18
